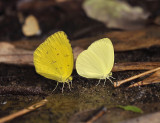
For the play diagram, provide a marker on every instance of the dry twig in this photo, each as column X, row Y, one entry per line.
column 97, row 115
column 154, row 78
column 116, row 84
column 23, row 111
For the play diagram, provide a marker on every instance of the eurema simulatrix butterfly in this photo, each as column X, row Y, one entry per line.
column 53, row 59
column 97, row 61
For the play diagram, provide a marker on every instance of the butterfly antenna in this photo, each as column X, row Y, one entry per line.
column 69, row 86
column 63, row 87
column 55, row 87
column 98, row 82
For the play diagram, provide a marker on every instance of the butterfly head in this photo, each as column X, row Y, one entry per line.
column 106, row 76
column 69, row 79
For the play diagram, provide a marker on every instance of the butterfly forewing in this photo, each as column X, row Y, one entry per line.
column 103, row 49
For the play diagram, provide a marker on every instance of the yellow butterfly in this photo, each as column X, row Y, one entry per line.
column 53, row 59
column 97, row 61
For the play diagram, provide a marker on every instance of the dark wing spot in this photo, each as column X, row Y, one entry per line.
column 57, row 54
column 68, row 65
column 47, row 52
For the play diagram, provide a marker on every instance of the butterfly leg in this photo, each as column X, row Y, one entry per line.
column 69, row 86
column 55, row 87
column 110, row 80
column 98, row 82
column 104, row 82
column 63, row 87
column 112, row 77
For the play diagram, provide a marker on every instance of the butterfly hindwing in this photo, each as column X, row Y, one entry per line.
column 86, row 65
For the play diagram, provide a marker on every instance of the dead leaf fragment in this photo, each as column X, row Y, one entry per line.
column 135, row 66
column 31, row 26
column 116, row 14
column 10, row 54
column 126, row 40
column 77, row 51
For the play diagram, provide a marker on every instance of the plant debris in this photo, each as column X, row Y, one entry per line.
column 154, row 78
column 114, row 13
column 116, row 84
column 98, row 114
column 131, row 108
column 31, row 26
column 23, row 111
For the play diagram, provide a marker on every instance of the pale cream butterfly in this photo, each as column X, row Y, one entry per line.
column 97, row 61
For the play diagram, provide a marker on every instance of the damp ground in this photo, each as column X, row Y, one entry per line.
column 84, row 97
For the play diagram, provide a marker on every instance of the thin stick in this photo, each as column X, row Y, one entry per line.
column 116, row 84
column 23, row 111
column 98, row 115
column 154, row 78
column 135, row 66
column 136, row 84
